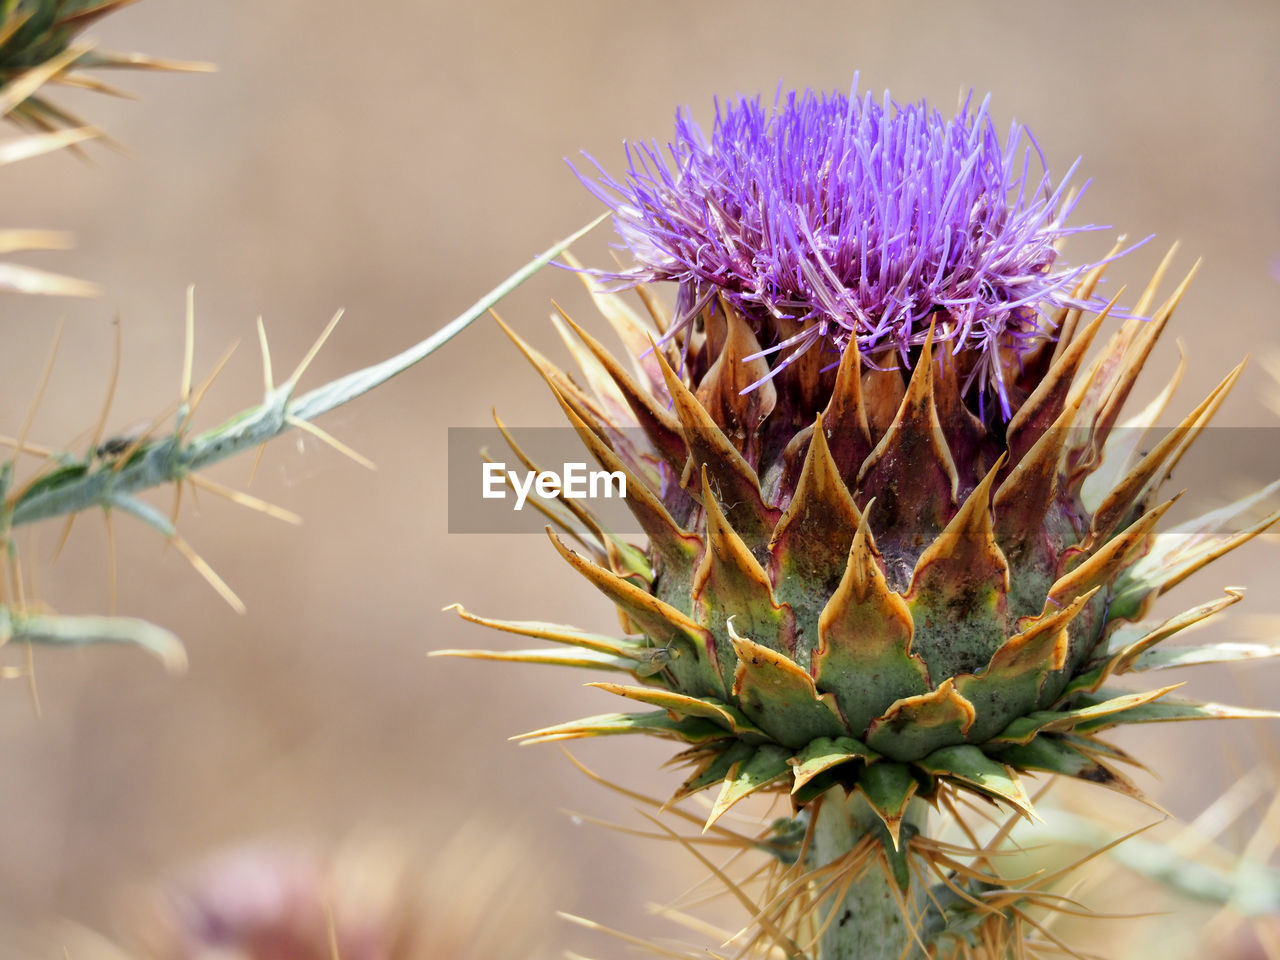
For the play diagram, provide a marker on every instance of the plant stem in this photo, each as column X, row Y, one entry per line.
column 82, row 483
column 868, row 923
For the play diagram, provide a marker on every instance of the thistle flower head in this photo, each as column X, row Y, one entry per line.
column 828, row 218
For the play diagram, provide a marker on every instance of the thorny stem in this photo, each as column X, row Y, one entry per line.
column 868, row 923
column 79, row 485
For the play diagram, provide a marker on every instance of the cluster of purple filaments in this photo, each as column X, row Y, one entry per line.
column 854, row 218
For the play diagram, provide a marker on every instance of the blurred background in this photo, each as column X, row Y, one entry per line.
column 398, row 159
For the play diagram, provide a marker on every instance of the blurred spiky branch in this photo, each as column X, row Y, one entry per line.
column 75, row 484
column 109, row 479
column 40, row 47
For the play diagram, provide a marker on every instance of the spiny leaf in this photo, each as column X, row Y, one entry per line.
column 864, row 641
column 715, row 768
column 730, row 584
column 1183, row 550
column 766, row 765
column 603, row 389
column 1170, row 709
column 779, row 696
column 889, row 787
column 1052, row 755
column 1112, row 560
column 71, row 631
column 659, row 723
column 737, row 392
column 910, row 472
column 915, row 726
column 610, row 646
column 1124, row 659
column 1084, row 718
column 735, row 482
column 826, row 753
column 1137, row 484
column 968, row 765
column 549, row 655
column 697, row 668
column 1043, row 409
column 719, row 713
column 164, row 461
column 1025, row 496
column 844, row 422
column 967, row 437
column 959, row 589
column 1120, row 451
column 1011, row 684
column 659, row 425
column 627, row 324
column 1225, row 652
column 810, row 547
column 677, row 548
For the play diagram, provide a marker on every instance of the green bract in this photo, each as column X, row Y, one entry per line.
column 860, row 584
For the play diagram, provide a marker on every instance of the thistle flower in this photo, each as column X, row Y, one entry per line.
column 831, row 217
column 858, row 592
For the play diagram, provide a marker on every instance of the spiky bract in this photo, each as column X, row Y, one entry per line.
column 896, row 599
column 40, row 44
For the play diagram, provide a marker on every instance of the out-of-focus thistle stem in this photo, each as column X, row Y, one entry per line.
column 79, row 484
column 869, row 922
column 73, row 483
column 40, row 48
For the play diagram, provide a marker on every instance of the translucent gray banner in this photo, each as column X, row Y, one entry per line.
column 492, row 489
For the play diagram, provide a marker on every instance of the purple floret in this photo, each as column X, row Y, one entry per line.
column 854, row 218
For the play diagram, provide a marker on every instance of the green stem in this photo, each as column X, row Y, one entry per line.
column 868, row 922
column 83, row 483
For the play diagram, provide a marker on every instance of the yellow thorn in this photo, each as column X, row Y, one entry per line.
column 189, row 346
column 641, row 798
column 267, row 377
column 112, row 382
column 21, row 441
column 257, row 459
column 311, row 354
column 211, row 577
column 1149, row 294
column 321, row 435
column 32, row 448
column 619, row 935
column 205, row 385
column 783, row 942
column 245, row 500
column 177, row 506
column 33, row 690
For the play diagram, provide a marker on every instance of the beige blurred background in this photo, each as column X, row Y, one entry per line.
column 398, row 158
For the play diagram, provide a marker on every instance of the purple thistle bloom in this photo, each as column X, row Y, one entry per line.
column 853, row 218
